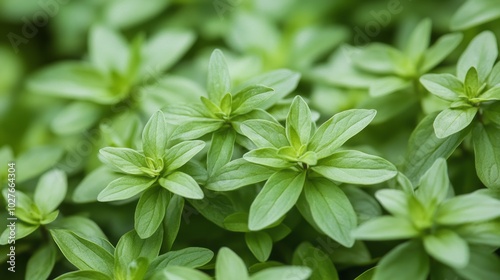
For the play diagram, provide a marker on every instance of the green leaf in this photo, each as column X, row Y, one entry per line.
column 394, row 201
column 197, row 128
column 481, row 54
column 180, row 154
column 453, row 120
column 447, row 247
column 424, row 148
column 221, row 150
column 386, row 228
column 172, row 221
column 332, row 134
column 444, row 86
column 182, row 184
column 486, row 141
column 482, row 265
column 180, row 273
column 473, row 13
column 468, row 209
column 50, row 191
column 93, row 183
column 218, row 80
column 82, row 253
column 191, row 257
column 367, row 275
column 260, row 244
column 381, row 59
column 215, row 207
column 418, row 41
column 250, row 98
column 320, row 263
column 22, row 230
column 237, row 222
column 229, row 266
column 74, row 80
column 267, row 157
column 494, row 78
column 491, row 94
column 283, row 81
column 481, row 233
column 434, row 184
column 28, row 164
column 387, row 85
column 154, row 137
column 406, row 259
column 84, row 275
column 440, row 50
column 42, row 262
column 84, row 227
column 175, row 43
column 355, row 168
column 299, row 122
column 331, row 210
column 123, row 160
column 124, row 188
column 150, row 211
column 131, row 247
column 265, row 134
column 283, row 273
column 108, row 50
column 76, row 117
column 236, row 174
column 276, row 198
column 471, row 83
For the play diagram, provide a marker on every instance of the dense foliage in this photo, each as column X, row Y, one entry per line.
column 250, row 139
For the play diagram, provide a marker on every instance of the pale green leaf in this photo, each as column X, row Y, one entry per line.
column 238, row 173
column 123, row 159
column 260, row 244
column 42, row 262
column 440, row 50
column 150, row 211
column 444, row 86
column 406, row 259
column 82, row 253
column 265, row 134
column 180, row 154
column 108, row 50
column 250, row 98
column 338, row 129
column 182, row 184
column 418, row 41
column 218, row 80
column 299, row 122
column 221, row 150
column 451, row 121
column 386, row 228
column 154, row 137
column 481, row 54
column 276, row 198
column 230, row 266
column 283, row 273
column 356, row 168
column 50, row 191
column 172, row 221
column 447, row 247
column 331, row 210
column 124, row 188
column 468, row 208
column 318, row 261
column 486, row 141
column 434, row 184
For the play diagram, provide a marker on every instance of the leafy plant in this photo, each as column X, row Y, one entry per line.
column 258, row 140
column 448, row 229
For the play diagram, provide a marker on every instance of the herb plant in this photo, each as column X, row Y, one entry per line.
column 252, row 140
